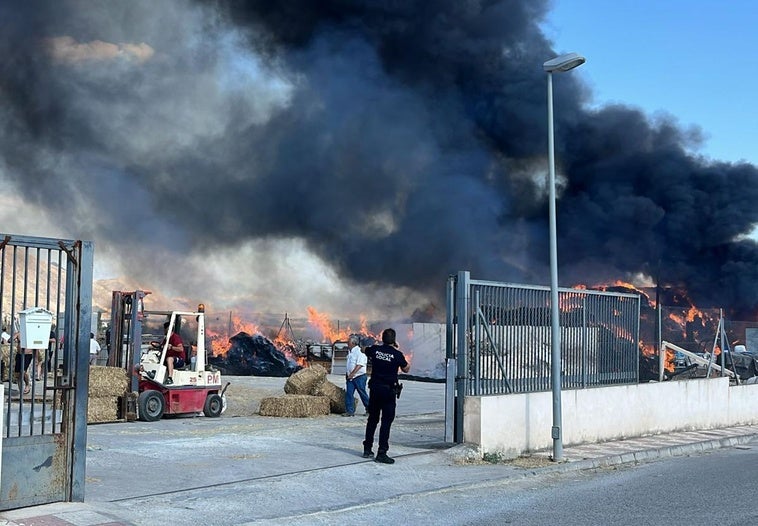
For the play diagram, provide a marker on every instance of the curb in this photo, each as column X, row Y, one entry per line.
column 644, row 455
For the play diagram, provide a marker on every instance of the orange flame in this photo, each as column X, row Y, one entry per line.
column 322, row 323
column 288, row 347
column 219, row 343
column 621, row 284
column 648, row 350
column 329, row 333
column 668, row 361
column 219, row 339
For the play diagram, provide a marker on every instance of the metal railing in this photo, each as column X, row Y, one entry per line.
column 44, row 432
column 507, row 337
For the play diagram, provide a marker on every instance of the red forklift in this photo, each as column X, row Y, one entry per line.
column 196, row 388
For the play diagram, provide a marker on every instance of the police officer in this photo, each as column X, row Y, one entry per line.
column 385, row 361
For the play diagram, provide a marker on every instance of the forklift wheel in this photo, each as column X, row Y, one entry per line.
column 214, row 405
column 150, row 405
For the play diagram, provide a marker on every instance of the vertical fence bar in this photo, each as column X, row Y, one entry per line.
column 638, row 339
column 449, row 359
column 585, row 350
column 462, row 315
column 661, row 350
column 477, row 343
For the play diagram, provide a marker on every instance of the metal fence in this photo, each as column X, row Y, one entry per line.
column 507, row 336
column 44, row 411
column 31, row 277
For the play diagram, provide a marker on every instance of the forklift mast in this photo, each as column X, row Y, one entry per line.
column 127, row 314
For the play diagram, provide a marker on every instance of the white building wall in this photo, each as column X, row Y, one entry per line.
column 514, row 424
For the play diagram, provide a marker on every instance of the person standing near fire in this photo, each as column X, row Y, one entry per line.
column 386, row 359
column 5, row 348
column 174, row 353
column 23, row 360
column 355, row 377
column 94, row 349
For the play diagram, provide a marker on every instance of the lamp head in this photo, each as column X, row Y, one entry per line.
column 564, row 63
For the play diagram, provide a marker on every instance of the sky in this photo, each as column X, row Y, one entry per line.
column 693, row 59
column 350, row 156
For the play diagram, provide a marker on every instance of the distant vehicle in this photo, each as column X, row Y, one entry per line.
column 681, row 360
column 319, row 350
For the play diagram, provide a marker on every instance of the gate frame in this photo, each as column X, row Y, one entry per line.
column 72, row 383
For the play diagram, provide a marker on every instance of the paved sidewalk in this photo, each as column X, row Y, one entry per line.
column 651, row 447
column 259, row 470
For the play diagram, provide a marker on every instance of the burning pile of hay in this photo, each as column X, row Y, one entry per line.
column 308, row 393
column 107, row 387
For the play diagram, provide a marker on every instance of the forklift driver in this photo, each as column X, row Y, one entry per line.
column 174, row 353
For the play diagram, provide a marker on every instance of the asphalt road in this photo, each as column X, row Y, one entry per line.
column 716, row 487
column 245, row 469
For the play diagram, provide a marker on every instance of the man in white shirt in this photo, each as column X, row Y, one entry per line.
column 5, row 339
column 94, row 349
column 355, row 377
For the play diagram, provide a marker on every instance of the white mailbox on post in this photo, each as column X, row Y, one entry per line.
column 35, row 324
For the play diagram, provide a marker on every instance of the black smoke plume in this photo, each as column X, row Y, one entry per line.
column 402, row 141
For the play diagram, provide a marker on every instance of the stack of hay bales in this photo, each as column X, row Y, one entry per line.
column 107, row 389
column 294, row 406
column 308, row 393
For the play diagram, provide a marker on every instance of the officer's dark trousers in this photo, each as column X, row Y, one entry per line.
column 381, row 403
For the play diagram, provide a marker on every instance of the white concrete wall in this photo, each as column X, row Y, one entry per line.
column 518, row 423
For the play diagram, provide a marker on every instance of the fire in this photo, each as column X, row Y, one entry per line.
column 648, row 351
column 668, row 361
column 364, row 326
column 288, row 347
column 622, row 333
column 219, row 344
column 329, row 333
column 618, row 284
column 324, row 325
column 692, row 313
column 408, row 354
column 284, row 341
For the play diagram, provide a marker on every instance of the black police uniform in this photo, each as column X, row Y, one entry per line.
column 385, row 361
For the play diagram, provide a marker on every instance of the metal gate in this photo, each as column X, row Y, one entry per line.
column 504, row 344
column 44, row 431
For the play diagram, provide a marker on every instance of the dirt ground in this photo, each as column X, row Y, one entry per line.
column 243, row 400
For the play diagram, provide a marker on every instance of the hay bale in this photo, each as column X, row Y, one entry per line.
column 107, row 381
column 294, row 405
column 334, row 393
column 102, row 409
column 305, row 380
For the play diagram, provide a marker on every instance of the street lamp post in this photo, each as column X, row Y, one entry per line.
column 558, row 65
